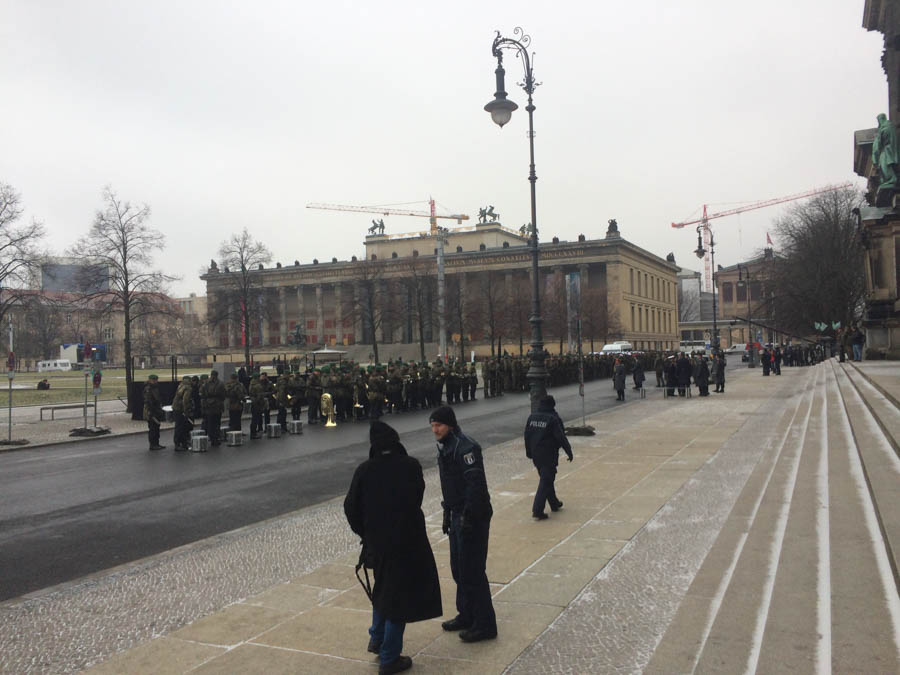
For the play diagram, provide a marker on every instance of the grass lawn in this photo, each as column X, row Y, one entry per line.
column 64, row 387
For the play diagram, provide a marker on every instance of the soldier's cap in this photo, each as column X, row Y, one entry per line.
column 186, row 378
column 204, row 376
column 214, row 372
column 370, row 369
column 154, row 376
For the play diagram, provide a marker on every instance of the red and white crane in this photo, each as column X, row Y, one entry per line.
column 389, row 210
column 704, row 221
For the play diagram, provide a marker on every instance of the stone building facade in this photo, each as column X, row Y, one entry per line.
column 880, row 220
column 321, row 301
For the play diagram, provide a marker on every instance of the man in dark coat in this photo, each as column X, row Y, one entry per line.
column 671, row 376
column 619, row 380
column 766, row 360
column 384, row 507
column 637, row 374
column 720, row 374
column 467, row 519
column 544, row 436
column 702, row 377
column 683, row 370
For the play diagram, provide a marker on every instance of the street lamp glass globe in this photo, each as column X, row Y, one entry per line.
column 700, row 252
column 501, row 110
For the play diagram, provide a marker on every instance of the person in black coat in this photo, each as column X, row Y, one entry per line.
column 384, row 507
column 544, row 436
column 702, row 377
column 671, row 376
column 683, row 370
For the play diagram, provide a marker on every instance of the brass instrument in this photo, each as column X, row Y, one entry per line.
column 356, row 403
column 326, row 408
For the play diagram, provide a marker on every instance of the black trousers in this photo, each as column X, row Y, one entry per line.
column 182, row 430
column 282, row 417
column 153, row 433
column 234, row 420
column 213, row 426
column 256, row 423
column 546, row 492
column 468, row 560
column 313, row 411
column 295, row 412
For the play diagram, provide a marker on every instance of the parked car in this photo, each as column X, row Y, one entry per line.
column 738, row 349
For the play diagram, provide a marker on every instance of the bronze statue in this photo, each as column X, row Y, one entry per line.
column 885, row 153
column 377, row 226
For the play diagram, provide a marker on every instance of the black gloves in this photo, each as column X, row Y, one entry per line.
column 569, row 458
column 445, row 526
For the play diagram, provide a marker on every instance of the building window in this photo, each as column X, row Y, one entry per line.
column 108, row 334
column 755, row 290
column 631, row 281
column 481, row 247
column 639, row 283
column 311, row 324
column 632, row 317
column 742, row 292
column 458, row 249
column 727, row 292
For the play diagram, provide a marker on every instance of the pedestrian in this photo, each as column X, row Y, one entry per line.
column 544, row 436
column 153, row 411
column 720, row 374
column 776, row 360
column 467, row 521
column 384, row 507
column 857, row 340
column 235, row 393
column 702, row 377
column 683, row 370
column 215, row 394
column 637, row 374
column 766, row 362
column 671, row 376
column 659, row 366
column 619, row 380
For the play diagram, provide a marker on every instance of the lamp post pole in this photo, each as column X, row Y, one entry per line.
column 700, row 252
column 501, row 110
column 751, row 363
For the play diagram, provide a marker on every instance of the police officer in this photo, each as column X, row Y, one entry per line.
column 467, row 519
column 153, row 411
column 544, row 436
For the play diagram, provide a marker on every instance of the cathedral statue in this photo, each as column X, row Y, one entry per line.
column 885, row 155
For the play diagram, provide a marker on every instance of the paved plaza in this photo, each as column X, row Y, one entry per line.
column 754, row 531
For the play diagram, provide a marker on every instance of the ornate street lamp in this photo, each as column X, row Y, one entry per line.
column 742, row 270
column 501, row 110
column 700, row 252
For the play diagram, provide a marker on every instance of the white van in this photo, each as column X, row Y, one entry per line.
column 618, row 347
column 55, row 364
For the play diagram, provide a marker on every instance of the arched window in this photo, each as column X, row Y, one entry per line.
column 459, row 249
column 481, row 247
column 394, row 254
column 374, row 257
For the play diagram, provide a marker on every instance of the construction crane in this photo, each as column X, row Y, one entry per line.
column 388, row 211
column 704, row 221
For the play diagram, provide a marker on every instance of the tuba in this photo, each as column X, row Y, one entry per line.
column 326, row 408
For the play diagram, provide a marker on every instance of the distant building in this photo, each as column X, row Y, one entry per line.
column 69, row 275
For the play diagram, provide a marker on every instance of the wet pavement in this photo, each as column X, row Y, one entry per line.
column 698, row 535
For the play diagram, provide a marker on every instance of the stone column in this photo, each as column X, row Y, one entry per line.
column 583, row 273
column 282, row 306
column 262, row 326
column 301, row 315
column 338, row 313
column 320, row 316
column 357, row 315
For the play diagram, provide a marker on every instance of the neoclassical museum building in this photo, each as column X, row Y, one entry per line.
column 626, row 293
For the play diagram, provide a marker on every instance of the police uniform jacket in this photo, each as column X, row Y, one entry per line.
column 463, row 482
column 544, row 436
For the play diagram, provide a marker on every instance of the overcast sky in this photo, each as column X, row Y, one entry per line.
column 222, row 115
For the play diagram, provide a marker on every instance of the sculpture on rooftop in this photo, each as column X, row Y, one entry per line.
column 377, row 226
column 484, row 214
column 885, row 154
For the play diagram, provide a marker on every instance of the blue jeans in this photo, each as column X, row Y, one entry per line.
column 857, row 352
column 389, row 634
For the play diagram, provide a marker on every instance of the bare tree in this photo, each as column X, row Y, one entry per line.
column 118, row 250
column 595, row 320
column 819, row 274
column 554, row 309
column 18, row 249
column 464, row 310
column 417, row 286
column 369, row 306
column 42, row 327
column 518, row 311
column 491, row 292
column 242, row 297
column 688, row 303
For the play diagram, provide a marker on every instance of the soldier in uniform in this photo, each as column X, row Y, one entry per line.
column 467, row 520
column 182, row 409
column 214, row 392
column 235, row 394
column 258, row 405
column 472, row 381
column 313, row 396
column 281, row 400
column 376, row 393
column 437, row 385
column 297, row 392
column 269, row 392
column 197, row 407
column 153, row 411
column 394, row 390
column 453, row 384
